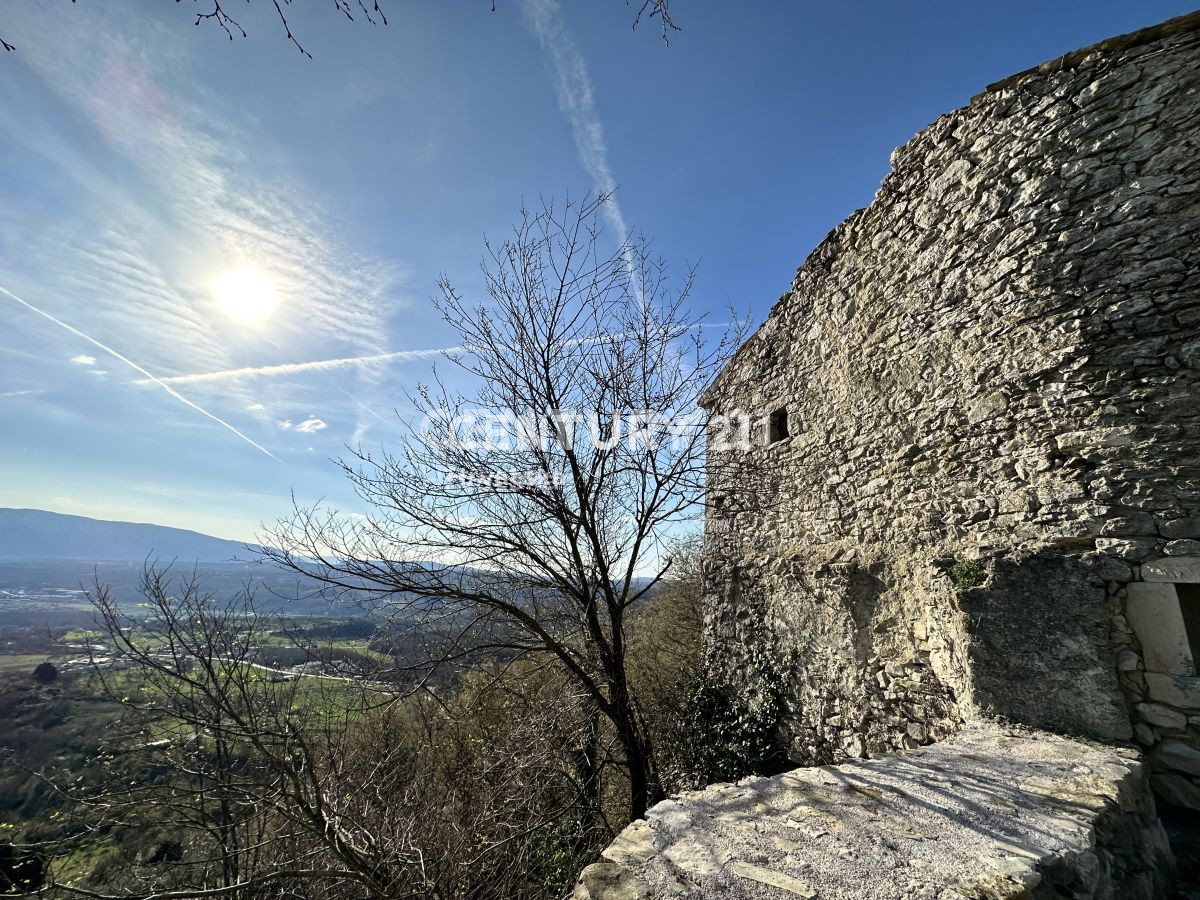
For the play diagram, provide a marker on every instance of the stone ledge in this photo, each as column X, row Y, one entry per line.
column 991, row 812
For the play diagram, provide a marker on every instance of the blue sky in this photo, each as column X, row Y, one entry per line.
column 141, row 157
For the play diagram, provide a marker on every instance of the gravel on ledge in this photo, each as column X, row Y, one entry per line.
column 992, row 812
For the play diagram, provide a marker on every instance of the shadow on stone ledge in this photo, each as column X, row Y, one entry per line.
column 992, row 812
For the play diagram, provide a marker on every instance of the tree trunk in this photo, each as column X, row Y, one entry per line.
column 645, row 787
column 588, row 770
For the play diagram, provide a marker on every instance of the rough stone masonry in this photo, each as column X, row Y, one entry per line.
column 974, row 485
column 973, row 490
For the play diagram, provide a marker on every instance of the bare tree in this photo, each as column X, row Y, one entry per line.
column 656, row 9
column 256, row 774
column 530, row 515
column 239, row 780
column 217, row 13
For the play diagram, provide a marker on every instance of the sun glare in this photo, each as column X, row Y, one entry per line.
column 246, row 295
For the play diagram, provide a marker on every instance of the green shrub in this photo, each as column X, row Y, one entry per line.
column 968, row 573
column 558, row 850
column 730, row 732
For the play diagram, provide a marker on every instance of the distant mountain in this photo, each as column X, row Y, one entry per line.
column 33, row 534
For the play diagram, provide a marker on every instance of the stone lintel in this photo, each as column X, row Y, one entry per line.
column 1174, row 569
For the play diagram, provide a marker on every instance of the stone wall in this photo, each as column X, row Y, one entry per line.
column 991, row 378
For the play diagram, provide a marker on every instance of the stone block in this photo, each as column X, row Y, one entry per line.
column 1128, row 661
column 789, row 884
column 1112, row 569
column 1177, row 789
column 1133, row 525
column 1162, row 716
column 1128, row 549
column 1177, row 756
column 1077, row 441
column 609, row 881
column 1182, row 547
column 1180, row 691
column 1175, row 569
column 1180, row 528
column 633, row 845
column 1152, row 608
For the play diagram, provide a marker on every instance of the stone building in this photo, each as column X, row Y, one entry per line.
column 973, row 488
column 970, row 507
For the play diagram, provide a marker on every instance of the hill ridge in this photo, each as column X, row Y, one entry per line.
column 37, row 534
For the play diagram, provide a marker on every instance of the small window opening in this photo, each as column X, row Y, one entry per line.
column 1189, row 606
column 777, row 426
column 718, row 505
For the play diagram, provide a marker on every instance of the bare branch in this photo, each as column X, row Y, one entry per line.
column 534, row 512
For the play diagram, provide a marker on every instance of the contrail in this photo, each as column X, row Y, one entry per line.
column 21, row 393
column 319, row 365
column 129, row 362
column 575, row 98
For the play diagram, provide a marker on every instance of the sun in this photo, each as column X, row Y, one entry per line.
column 245, row 294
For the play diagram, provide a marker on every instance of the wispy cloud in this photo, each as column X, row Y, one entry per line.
column 312, row 424
column 308, row 426
column 129, row 362
column 211, row 194
column 320, row 365
column 576, row 98
column 83, row 360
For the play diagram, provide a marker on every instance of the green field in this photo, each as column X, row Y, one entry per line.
column 16, row 662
